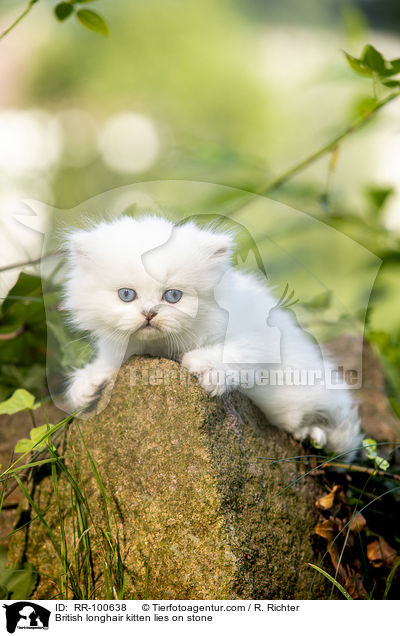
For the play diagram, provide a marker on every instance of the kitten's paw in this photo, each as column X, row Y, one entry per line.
column 204, row 368
column 316, row 434
column 86, row 387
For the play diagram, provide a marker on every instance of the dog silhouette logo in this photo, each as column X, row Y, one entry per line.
column 26, row 615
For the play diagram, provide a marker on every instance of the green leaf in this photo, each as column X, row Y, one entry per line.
column 358, row 66
column 24, row 445
column 18, row 583
column 378, row 196
column 370, row 447
column 395, row 66
column 36, row 434
column 381, row 463
column 332, row 580
column 373, row 60
column 63, row 10
column 20, row 400
column 26, row 286
column 391, row 83
column 92, row 20
column 372, row 63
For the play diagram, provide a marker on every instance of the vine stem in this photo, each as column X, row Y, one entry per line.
column 329, row 147
column 363, row 469
column 18, row 20
column 33, row 261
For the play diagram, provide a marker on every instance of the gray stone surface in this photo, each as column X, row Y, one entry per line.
column 199, row 512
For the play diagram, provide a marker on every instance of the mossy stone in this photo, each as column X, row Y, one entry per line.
column 200, row 512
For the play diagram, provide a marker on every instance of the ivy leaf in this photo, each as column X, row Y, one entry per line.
column 21, row 400
column 24, row 298
column 36, row 434
column 372, row 63
column 358, row 66
column 373, row 60
column 63, row 10
column 370, row 447
column 93, row 21
column 395, row 66
column 381, row 463
column 24, row 445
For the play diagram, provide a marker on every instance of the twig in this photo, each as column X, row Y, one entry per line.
column 12, row 334
column 34, row 261
column 363, row 469
column 329, row 147
column 18, row 20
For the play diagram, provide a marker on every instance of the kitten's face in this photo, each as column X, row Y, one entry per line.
column 145, row 278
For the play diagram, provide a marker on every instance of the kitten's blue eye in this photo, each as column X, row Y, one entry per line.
column 126, row 294
column 172, row 295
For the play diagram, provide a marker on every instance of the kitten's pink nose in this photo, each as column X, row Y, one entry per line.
column 149, row 315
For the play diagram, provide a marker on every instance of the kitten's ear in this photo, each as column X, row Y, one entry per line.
column 221, row 247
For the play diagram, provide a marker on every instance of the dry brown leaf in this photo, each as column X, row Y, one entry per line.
column 354, row 584
column 329, row 529
column 379, row 552
column 358, row 524
column 326, row 501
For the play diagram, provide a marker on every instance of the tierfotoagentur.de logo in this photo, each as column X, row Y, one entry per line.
column 26, row 615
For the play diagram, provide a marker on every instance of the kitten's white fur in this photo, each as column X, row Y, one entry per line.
column 219, row 323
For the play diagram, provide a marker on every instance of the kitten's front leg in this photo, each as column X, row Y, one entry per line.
column 213, row 375
column 86, row 384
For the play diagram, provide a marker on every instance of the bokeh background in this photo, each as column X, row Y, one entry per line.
column 199, row 107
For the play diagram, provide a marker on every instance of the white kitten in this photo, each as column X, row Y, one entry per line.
column 147, row 286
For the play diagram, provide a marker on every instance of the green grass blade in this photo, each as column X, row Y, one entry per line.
column 332, row 580
column 390, row 578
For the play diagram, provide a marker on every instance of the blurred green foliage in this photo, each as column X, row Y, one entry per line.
column 197, row 71
column 208, row 75
column 15, row 582
column 24, row 333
